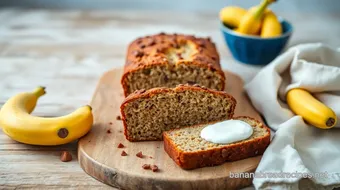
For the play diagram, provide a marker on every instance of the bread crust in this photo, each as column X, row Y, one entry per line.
column 217, row 156
column 149, row 51
column 179, row 88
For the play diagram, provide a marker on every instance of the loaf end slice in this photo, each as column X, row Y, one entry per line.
column 166, row 60
column 146, row 114
column 190, row 151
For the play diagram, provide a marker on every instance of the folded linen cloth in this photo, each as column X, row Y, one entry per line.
column 300, row 156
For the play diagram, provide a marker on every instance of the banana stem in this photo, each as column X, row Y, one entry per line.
column 264, row 4
column 89, row 107
column 39, row 91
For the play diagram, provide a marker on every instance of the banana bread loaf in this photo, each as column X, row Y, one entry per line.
column 190, row 151
column 165, row 60
column 147, row 114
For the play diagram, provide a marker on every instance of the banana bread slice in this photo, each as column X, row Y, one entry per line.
column 190, row 151
column 147, row 114
column 166, row 60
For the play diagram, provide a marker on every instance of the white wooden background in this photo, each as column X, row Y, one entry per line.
column 312, row 6
column 67, row 51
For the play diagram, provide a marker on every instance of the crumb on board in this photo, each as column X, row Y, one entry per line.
column 154, row 168
column 123, row 153
column 146, row 166
column 140, row 154
column 120, row 145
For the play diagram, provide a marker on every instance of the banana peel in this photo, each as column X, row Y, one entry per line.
column 302, row 103
column 20, row 125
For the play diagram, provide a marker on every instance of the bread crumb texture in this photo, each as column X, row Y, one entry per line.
column 146, row 118
column 189, row 139
column 170, row 76
column 166, row 60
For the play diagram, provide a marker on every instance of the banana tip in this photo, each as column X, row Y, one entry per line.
column 39, row 91
column 43, row 88
column 330, row 122
column 89, row 107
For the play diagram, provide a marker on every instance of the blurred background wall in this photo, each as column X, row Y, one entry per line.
column 311, row 6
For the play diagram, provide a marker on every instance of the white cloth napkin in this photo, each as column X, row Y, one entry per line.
column 298, row 150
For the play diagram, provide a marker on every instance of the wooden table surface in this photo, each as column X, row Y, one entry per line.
column 67, row 51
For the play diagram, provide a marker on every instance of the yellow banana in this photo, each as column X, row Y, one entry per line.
column 302, row 103
column 271, row 27
column 251, row 22
column 18, row 124
column 232, row 15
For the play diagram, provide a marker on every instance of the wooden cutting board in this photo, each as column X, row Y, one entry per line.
column 99, row 156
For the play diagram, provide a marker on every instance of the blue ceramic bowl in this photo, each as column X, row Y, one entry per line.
column 255, row 50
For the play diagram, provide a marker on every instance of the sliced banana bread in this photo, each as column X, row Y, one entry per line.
column 147, row 114
column 166, row 60
column 190, row 151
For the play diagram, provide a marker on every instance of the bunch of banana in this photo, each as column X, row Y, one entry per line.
column 302, row 103
column 17, row 123
column 257, row 20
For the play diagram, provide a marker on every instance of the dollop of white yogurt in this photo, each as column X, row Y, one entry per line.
column 226, row 132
